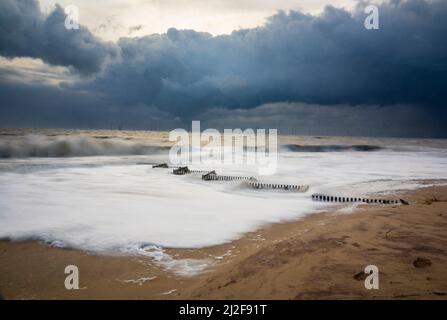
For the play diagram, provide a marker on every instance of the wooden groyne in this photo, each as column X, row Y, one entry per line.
column 199, row 171
column 276, row 186
column 161, row 165
column 213, row 176
column 327, row 198
column 181, row 171
column 255, row 184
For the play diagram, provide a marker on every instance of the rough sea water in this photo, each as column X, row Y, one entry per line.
column 95, row 190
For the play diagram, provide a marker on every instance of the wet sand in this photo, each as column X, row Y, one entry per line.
column 319, row 257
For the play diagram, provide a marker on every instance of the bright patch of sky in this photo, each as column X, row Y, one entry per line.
column 112, row 19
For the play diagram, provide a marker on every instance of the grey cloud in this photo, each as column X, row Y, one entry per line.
column 38, row 104
column 33, row 71
column 303, row 60
column 41, row 105
column 26, row 32
column 327, row 59
column 313, row 119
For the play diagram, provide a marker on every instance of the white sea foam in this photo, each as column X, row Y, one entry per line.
column 140, row 281
column 110, row 204
column 180, row 267
column 71, row 146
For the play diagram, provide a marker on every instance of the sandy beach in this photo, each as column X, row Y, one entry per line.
column 321, row 256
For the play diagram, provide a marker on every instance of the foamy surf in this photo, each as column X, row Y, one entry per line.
column 110, row 204
column 40, row 146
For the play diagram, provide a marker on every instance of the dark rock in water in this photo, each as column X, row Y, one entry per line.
column 181, row 171
column 210, row 175
column 422, row 263
column 162, row 165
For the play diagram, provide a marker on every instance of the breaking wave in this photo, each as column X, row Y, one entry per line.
column 331, row 148
column 66, row 146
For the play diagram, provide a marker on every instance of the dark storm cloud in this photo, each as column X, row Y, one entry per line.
column 330, row 60
column 26, row 32
column 327, row 59
column 312, row 119
column 41, row 105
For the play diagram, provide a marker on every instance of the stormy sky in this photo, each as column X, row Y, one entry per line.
column 312, row 70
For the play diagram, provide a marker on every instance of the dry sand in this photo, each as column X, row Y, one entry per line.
column 319, row 257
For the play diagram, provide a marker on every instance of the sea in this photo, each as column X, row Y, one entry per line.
column 96, row 190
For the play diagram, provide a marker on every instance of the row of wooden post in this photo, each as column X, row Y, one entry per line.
column 211, row 175
column 258, row 185
column 326, row 198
